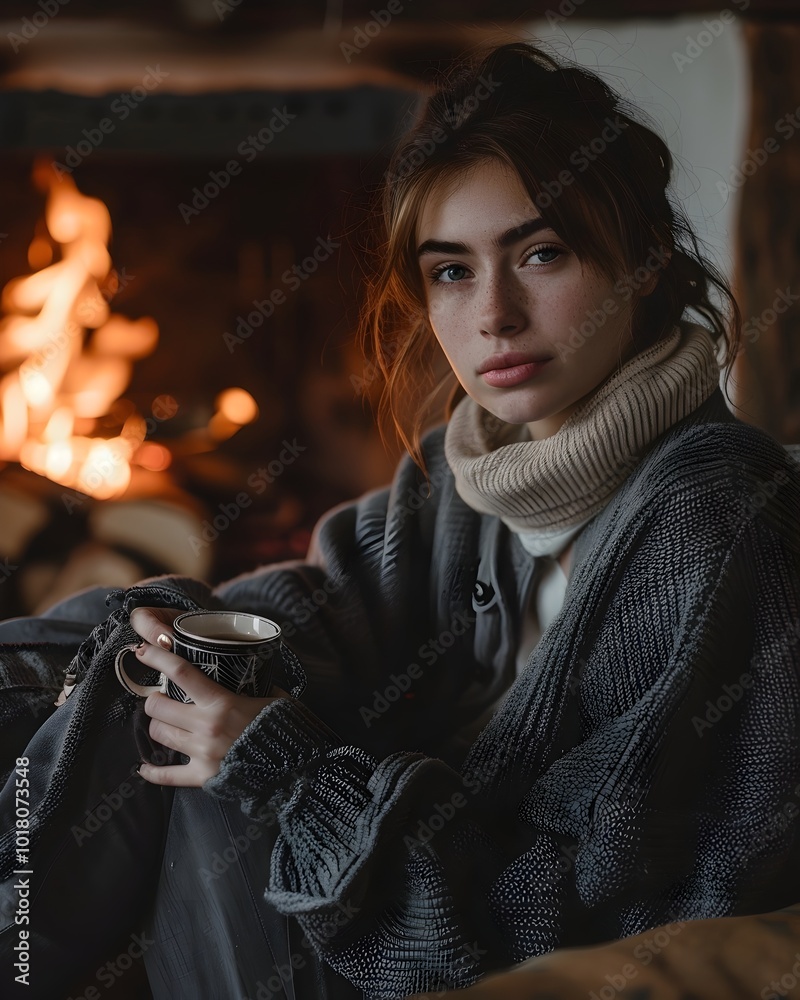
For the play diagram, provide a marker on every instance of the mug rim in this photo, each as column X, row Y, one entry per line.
column 184, row 635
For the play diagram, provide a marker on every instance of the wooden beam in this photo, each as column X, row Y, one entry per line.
column 768, row 240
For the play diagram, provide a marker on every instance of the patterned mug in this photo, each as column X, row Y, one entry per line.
column 234, row 648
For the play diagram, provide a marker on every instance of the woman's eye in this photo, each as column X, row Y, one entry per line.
column 448, row 274
column 556, row 252
column 451, row 274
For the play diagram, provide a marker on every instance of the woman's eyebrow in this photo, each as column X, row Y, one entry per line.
column 503, row 241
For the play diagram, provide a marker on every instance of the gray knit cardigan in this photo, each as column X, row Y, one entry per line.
column 644, row 767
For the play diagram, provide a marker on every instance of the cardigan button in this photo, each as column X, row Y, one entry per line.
column 483, row 595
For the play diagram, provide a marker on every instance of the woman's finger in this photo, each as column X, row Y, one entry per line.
column 191, row 679
column 176, row 775
column 154, row 625
column 175, row 713
column 170, row 736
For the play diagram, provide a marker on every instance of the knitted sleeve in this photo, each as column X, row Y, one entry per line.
column 638, row 773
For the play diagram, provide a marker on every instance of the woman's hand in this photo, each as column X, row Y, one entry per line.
column 204, row 731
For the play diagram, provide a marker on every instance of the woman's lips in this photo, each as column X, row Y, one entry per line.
column 501, row 378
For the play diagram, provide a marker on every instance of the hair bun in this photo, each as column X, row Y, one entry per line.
column 588, row 85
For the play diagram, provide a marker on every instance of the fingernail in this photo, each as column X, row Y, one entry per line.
column 164, row 641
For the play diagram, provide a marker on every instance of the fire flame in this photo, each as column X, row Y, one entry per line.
column 67, row 357
column 56, row 384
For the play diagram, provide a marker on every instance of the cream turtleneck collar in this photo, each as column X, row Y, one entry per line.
column 547, row 490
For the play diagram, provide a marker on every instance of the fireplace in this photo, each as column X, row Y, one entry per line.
column 215, row 408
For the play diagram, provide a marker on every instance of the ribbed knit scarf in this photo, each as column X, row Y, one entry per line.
column 550, row 488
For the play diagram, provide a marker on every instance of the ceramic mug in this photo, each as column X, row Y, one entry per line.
column 234, row 648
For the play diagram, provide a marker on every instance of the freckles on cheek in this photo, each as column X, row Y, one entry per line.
column 571, row 303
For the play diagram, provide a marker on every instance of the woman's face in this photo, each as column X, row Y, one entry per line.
column 505, row 293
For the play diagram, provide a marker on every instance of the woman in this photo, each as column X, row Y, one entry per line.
column 552, row 678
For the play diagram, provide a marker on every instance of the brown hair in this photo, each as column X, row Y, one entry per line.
column 597, row 175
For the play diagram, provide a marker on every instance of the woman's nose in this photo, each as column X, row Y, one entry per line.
column 502, row 310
